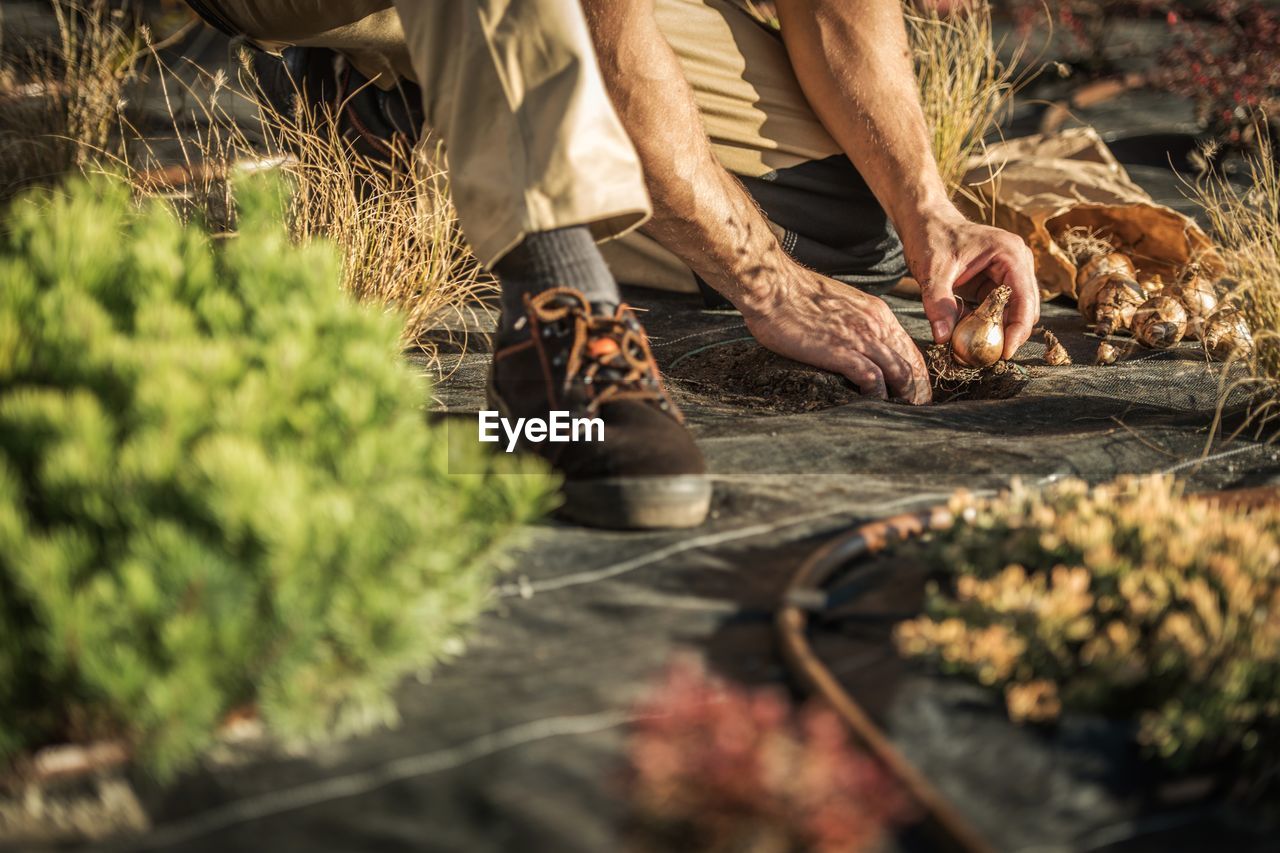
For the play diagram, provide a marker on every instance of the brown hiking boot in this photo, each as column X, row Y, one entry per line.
column 644, row 471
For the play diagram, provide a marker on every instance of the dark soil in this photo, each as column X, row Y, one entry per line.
column 745, row 373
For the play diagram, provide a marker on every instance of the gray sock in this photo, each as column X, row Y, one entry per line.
column 564, row 257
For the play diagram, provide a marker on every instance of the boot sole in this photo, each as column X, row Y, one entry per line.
column 638, row 503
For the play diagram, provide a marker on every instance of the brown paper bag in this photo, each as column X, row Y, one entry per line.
column 1040, row 186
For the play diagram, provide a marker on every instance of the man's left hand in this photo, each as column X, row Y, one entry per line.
column 950, row 256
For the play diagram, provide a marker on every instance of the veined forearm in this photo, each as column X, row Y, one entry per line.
column 701, row 213
column 704, row 216
column 854, row 65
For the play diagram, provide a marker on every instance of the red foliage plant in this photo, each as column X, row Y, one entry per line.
column 718, row 767
column 1227, row 60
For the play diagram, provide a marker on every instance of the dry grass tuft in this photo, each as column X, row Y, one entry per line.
column 964, row 86
column 396, row 227
column 60, row 103
column 1246, row 225
column 100, row 52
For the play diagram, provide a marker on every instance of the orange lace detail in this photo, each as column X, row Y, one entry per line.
column 608, row 357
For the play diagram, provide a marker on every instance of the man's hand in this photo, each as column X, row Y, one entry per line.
column 950, row 256
column 813, row 319
column 705, row 217
column 854, row 64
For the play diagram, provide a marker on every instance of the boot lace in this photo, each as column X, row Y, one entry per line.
column 607, row 358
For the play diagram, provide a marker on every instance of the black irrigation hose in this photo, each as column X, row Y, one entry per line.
column 947, row 828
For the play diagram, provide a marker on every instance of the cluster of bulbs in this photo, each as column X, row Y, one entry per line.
column 1115, row 298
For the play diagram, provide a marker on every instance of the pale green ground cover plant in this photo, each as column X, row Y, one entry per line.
column 1130, row 599
column 218, row 487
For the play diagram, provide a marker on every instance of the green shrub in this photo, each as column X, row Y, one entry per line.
column 1129, row 599
column 217, row 484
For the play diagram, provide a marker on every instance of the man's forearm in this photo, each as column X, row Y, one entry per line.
column 854, row 64
column 705, row 217
column 701, row 213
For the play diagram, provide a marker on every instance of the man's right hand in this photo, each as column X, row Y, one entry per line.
column 816, row 320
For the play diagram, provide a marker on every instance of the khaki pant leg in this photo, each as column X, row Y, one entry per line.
column 533, row 142
column 513, row 89
column 752, row 107
column 367, row 32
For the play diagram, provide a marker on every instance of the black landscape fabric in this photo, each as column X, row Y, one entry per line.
column 519, row 744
